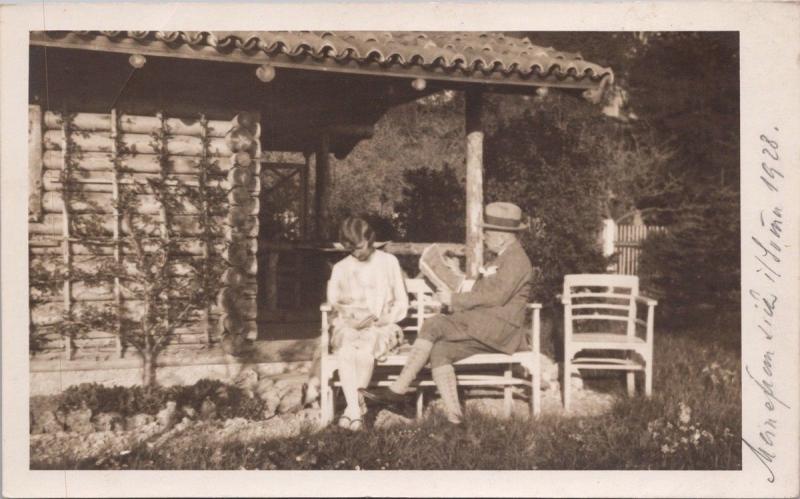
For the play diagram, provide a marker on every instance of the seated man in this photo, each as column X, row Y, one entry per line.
column 488, row 318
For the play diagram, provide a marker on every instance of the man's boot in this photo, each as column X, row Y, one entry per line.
column 447, row 384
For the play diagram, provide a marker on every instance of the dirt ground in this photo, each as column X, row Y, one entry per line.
column 48, row 449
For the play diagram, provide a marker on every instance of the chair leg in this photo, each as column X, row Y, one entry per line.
column 325, row 395
column 630, row 382
column 508, row 396
column 566, row 383
column 326, row 404
column 536, row 390
column 420, row 402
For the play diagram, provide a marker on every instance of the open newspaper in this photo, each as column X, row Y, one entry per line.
column 433, row 265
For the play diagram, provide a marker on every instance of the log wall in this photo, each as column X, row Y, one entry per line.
column 81, row 164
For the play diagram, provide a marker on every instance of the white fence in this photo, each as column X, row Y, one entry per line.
column 628, row 246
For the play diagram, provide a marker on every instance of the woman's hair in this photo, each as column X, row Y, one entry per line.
column 354, row 231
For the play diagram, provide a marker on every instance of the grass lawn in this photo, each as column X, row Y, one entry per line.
column 693, row 421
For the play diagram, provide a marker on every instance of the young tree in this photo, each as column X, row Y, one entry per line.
column 166, row 280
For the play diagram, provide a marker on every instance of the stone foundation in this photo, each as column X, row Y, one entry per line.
column 268, row 358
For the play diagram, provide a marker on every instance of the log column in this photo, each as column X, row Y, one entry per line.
column 35, row 167
column 474, row 181
column 322, row 194
column 304, row 197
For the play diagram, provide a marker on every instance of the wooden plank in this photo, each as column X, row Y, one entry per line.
column 65, row 227
column 116, row 233
column 128, row 123
column 139, row 163
column 204, row 134
column 35, row 163
column 136, row 143
column 474, row 182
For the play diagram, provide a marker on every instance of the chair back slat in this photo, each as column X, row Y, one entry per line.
column 607, row 281
column 599, row 317
column 590, row 298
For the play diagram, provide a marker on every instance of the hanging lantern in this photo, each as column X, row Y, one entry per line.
column 137, row 60
column 419, row 84
column 265, row 73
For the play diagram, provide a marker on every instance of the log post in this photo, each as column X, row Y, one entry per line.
column 304, row 197
column 474, row 181
column 34, row 163
column 322, row 193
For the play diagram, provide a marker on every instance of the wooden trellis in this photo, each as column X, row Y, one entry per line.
column 117, row 150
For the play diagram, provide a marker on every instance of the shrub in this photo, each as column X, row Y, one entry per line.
column 695, row 265
column 533, row 161
column 231, row 401
column 432, row 208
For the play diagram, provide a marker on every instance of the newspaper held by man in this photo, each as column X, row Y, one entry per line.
column 442, row 270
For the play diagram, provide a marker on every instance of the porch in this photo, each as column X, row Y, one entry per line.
column 317, row 95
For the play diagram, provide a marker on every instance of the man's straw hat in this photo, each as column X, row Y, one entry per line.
column 504, row 217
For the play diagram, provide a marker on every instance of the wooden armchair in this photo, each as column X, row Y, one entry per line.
column 600, row 315
column 421, row 306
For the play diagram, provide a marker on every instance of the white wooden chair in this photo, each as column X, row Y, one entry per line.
column 421, row 306
column 600, row 314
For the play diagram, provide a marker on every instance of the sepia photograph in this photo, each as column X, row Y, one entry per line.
column 190, row 308
column 408, row 250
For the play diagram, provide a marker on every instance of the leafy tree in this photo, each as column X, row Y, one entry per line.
column 432, row 208
column 535, row 161
column 694, row 267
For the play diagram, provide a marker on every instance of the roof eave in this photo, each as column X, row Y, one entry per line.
column 592, row 83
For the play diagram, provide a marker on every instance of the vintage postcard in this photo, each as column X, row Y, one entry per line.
column 215, row 219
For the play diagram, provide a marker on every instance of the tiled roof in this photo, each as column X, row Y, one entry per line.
column 467, row 54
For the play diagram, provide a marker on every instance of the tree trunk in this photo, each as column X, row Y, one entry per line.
column 474, row 183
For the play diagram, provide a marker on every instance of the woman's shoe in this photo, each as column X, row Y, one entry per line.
column 350, row 424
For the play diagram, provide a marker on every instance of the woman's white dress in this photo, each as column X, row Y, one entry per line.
column 357, row 289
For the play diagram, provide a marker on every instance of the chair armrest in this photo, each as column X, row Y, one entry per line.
column 649, row 301
column 326, row 307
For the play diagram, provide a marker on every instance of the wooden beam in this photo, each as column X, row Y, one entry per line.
column 322, row 195
column 395, row 248
column 355, row 131
column 474, row 181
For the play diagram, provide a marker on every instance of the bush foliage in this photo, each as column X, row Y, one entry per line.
column 696, row 264
column 231, row 401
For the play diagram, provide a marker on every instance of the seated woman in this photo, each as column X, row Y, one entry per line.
column 368, row 296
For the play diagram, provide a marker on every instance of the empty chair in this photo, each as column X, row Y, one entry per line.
column 603, row 329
